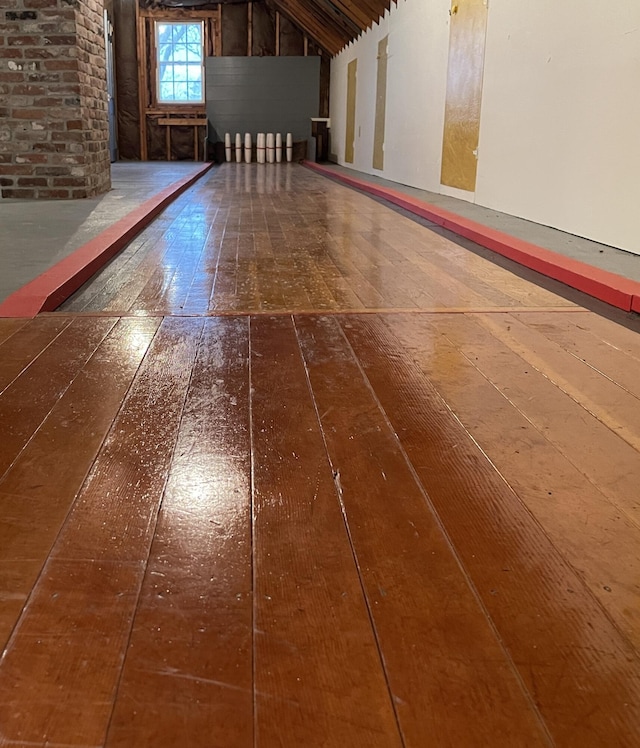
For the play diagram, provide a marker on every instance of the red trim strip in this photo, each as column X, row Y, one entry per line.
column 608, row 287
column 46, row 292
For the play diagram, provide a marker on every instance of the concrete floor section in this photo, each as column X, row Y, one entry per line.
column 38, row 234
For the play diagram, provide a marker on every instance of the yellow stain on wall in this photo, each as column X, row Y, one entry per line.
column 381, row 105
column 350, row 144
column 464, row 94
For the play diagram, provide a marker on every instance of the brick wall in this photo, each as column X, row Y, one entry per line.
column 53, row 102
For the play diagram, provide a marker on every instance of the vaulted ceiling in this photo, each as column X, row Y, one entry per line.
column 332, row 23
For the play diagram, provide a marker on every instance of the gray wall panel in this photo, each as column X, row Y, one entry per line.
column 262, row 94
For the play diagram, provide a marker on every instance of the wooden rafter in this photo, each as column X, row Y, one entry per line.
column 316, row 23
column 333, row 23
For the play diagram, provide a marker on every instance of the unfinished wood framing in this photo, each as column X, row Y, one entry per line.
column 265, row 31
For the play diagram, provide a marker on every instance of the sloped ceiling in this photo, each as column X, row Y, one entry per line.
column 332, row 23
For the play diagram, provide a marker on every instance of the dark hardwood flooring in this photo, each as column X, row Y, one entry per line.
column 297, row 471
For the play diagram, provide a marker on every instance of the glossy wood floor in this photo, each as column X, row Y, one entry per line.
column 297, row 471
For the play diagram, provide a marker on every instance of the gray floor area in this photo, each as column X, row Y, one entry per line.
column 601, row 256
column 34, row 235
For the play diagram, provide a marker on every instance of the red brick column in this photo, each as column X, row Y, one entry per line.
column 54, row 139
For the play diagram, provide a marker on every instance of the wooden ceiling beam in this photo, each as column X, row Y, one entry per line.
column 330, row 8
column 353, row 11
column 333, row 23
column 317, row 25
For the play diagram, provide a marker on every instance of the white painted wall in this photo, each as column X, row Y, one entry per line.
column 560, row 128
column 560, row 124
column 416, row 86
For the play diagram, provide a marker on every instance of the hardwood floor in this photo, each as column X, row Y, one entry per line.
column 303, row 244
column 295, row 471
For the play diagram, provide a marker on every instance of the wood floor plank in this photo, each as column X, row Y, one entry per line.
column 76, row 624
column 326, row 248
column 58, row 673
column 582, row 674
column 103, row 283
column 113, row 518
column 9, row 327
column 600, row 453
column 614, row 334
column 16, row 581
column 121, row 289
column 619, row 366
column 38, row 490
column 156, row 245
column 199, row 293
column 20, row 350
column 188, row 670
column 75, row 425
column 318, row 675
column 455, row 261
column 611, row 404
column 28, row 400
column 445, row 287
column 167, row 288
column 163, row 283
column 452, row 681
column 600, row 542
column 128, row 267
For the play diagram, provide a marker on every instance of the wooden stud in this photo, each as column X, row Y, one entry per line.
column 142, row 81
column 218, row 33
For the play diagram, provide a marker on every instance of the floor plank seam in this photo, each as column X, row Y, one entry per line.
column 338, row 493
column 143, row 576
column 466, row 574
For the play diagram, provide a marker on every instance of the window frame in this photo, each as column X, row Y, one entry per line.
column 179, row 103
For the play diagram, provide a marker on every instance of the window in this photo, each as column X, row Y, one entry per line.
column 180, row 51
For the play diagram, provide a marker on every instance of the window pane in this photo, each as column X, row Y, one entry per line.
column 194, row 34
column 194, row 53
column 180, row 33
column 180, row 52
column 194, row 73
column 164, row 52
column 181, row 92
column 180, row 72
column 180, row 58
column 166, row 73
column 166, row 91
column 164, row 33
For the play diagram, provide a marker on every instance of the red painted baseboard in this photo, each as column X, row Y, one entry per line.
column 601, row 284
column 46, row 292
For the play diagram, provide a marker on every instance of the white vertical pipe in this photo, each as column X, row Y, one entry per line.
column 238, row 148
column 227, row 146
column 289, row 147
column 271, row 149
column 247, row 147
column 279, row 147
